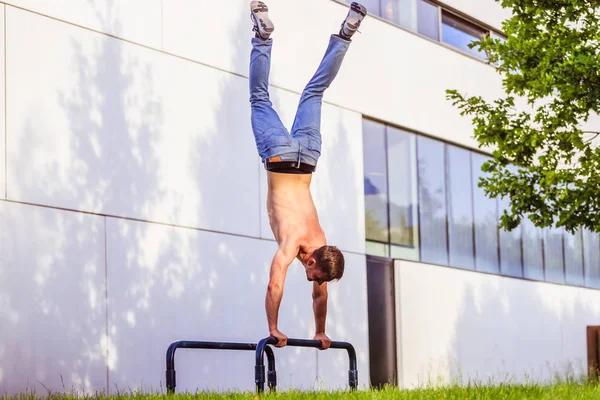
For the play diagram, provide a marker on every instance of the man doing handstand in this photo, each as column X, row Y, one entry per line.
column 290, row 160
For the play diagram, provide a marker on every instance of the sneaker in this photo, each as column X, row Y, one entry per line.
column 259, row 13
column 356, row 14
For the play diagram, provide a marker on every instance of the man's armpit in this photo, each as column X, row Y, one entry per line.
column 290, row 249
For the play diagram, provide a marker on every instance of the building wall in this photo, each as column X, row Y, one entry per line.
column 134, row 207
column 460, row 326
column 133, row 199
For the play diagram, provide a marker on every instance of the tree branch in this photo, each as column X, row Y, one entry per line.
column 593, row 137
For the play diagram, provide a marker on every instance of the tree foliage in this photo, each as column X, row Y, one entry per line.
column 543, row 160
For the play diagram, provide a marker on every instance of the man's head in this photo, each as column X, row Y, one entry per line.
column 325, row 264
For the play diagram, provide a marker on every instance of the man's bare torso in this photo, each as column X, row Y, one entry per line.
column 292, row 212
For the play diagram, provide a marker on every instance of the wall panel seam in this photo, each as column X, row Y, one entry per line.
column 239, row 235
column 162, row 26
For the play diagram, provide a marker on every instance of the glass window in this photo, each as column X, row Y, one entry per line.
column 497, row 35
column 407, row 17
column 459, row 33
column 415, row 15
column 423, row 202
column 485, row 213
column 510, row 246
column 591, row 258
column 533, row 254
column 573, row 259
column 372, row 6
column 401, row 163
column 428, row 21
column 460, row 208
column 376, row 189
column 397, row 11
column 432, row 201
column 553, row 255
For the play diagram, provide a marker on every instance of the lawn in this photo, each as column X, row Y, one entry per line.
column 504, row 392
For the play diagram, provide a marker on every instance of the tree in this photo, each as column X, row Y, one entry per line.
column 551, row 59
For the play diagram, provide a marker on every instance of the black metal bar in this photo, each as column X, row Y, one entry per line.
column 188, row 344
column 271, row 372
column 259, row 369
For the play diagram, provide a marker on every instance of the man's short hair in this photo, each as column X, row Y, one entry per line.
column 330, row 261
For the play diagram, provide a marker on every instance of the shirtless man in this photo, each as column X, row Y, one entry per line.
column 290, row 161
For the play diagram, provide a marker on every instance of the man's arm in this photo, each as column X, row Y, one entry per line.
column 320, row 310
column 281, row 261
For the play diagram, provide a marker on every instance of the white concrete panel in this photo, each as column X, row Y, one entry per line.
column 459, row 325
column 337, row 187
column 214, row 32
column 52, row 301
column 347, row 320
column 487, row 11
column 111, row 127
column 135, row 20
column 401, row 80
column 167, row 284
column 2, row 109
column 591, row 124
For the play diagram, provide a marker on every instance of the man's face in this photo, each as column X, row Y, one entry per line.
column 313, row 274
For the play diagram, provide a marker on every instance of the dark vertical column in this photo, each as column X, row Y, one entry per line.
column 593, row 347
column 382, row 321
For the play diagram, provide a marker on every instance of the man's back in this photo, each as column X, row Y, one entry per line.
column 292, row 213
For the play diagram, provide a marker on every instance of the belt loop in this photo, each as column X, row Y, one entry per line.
column 299, row 155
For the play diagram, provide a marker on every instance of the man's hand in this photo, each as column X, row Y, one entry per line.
column 282, row 339
column 325, row 341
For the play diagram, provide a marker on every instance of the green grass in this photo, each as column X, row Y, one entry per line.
column 563, row 391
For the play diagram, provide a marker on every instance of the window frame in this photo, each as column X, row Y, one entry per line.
column 462, row 22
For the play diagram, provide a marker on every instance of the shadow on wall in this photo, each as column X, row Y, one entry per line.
column 339, row 175
column 52, row 301
column 116, row 118
column 115, row 122
column 163, row 283
column 112, row 123
column 53, row 262
column 334, row 178
column 167, row 284
column 515, row 331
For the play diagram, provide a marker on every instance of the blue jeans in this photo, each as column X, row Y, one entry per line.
column 272, row 138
